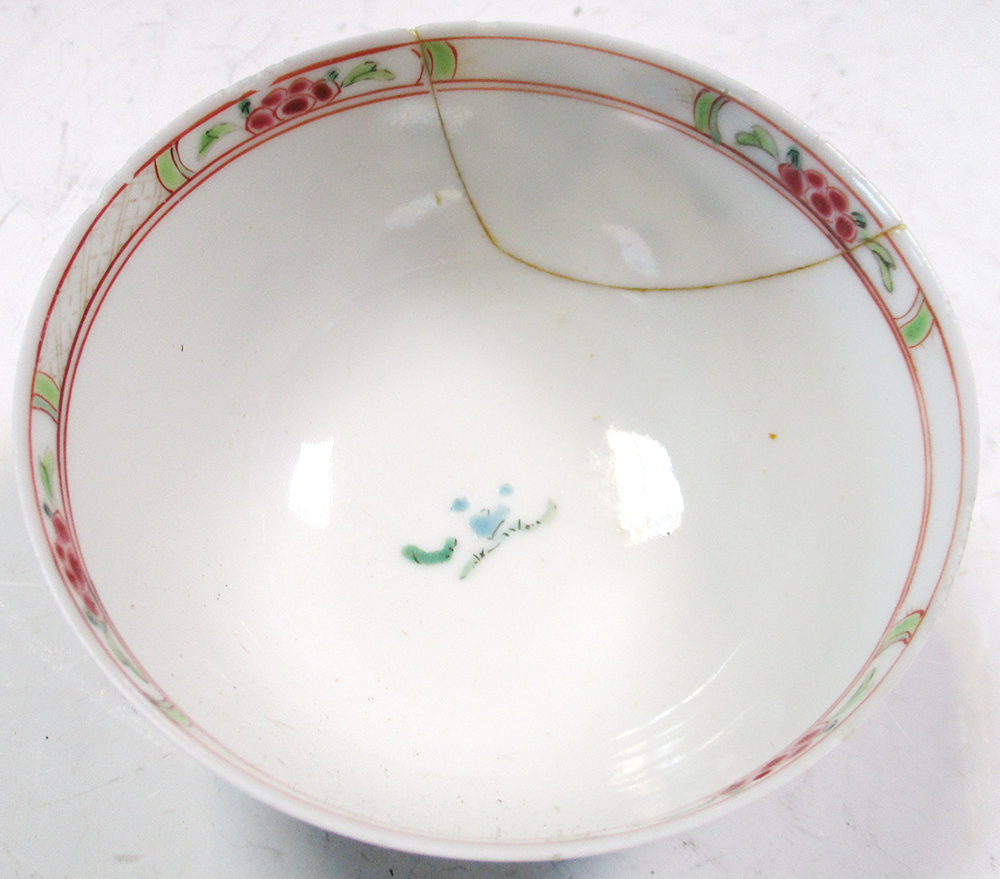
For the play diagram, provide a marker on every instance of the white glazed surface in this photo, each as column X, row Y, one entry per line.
column 502, row 347
column 720, row 476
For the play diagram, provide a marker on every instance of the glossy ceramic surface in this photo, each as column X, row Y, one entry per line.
column 495, row 441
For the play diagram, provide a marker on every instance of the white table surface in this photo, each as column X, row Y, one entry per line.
column 908, row 89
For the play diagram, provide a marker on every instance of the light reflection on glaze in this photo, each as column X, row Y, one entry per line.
column 310, row 491
column 634, row 250
column 413, row 212
column 650, row 503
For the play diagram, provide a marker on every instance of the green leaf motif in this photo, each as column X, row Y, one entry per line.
column 886, row 276
column 171, row 711
column 169, row 174
column 366, row 70
column 707, row 105
column 211, row 135
column 703, row 110
column 862, row 689
column 713, row 118
column 758, row 137
column 46, row 469
column 124, row 658
column 903, row 630
column 46, row 395
column 918, row 329
column 886, row 262
column 881, row 252
column 440, row 59
column 423, row 557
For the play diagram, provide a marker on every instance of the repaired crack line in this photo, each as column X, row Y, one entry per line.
column 629, row 288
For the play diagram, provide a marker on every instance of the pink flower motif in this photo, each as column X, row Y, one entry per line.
column 274, row 97
column 846, row 228
column 815, row 179
column 261, row 119
column 838, row 200
column 71, row 567
column 811, row 187
column 793, row 178
column 324, row 91
column 302, row 84
column 820, row 202
column 295, row 105
column 286, row 102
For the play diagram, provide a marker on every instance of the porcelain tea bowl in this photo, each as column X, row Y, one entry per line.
column 496, row 442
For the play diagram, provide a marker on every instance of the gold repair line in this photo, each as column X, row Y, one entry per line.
column 899, row 227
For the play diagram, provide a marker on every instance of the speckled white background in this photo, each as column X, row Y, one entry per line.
column 908, row 89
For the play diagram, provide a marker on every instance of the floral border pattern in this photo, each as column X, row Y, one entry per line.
column 841, row 214
column 109, row 236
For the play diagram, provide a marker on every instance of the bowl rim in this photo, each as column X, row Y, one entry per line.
column 588, row 844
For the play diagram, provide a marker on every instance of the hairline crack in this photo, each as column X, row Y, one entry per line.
column 628, row 288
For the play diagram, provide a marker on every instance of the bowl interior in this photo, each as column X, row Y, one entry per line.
column 506, row 449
